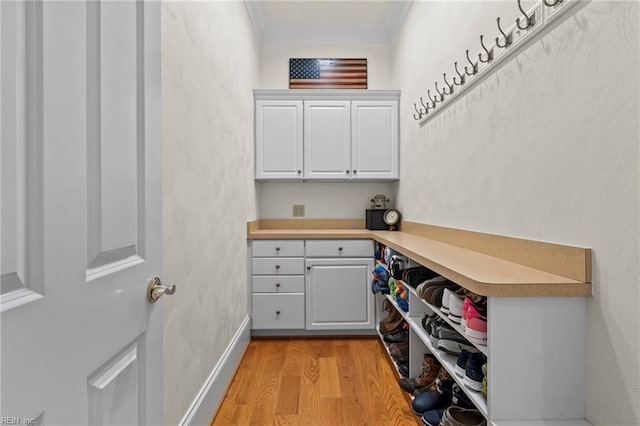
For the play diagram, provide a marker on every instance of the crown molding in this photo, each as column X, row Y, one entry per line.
column 310, row 35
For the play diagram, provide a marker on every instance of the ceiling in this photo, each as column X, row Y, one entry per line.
column 321, row 22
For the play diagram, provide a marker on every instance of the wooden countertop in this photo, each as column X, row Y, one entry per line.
column 482, row 273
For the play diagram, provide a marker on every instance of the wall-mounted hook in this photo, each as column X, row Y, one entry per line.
column 474, row 67
column 426, row 107
column 449, row 89
column 549, row 4
column 528, row 19
column 439, row 93
column 433, row 101
column 489, row 52
column 460, row 75
column 418, row 111
column 507, row 38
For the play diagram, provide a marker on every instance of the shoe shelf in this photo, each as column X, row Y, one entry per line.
column 448, row 361
column 482, row 348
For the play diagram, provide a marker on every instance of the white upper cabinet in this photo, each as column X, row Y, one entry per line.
column 279, row 139
column 374, row 140
column 327, row 139
column 338, row 135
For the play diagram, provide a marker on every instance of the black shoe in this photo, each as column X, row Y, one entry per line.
column 397, row 337
column 403, row 369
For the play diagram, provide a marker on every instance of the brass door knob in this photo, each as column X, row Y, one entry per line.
column 155, row 289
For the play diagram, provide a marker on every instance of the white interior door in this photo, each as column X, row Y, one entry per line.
column 81, row 212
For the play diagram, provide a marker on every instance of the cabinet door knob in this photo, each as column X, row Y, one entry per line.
column 278, row 312
column 277, row 266
column 277, row 248
column 346, row 171
column 277, row 284
column 299, row 171
column 339, row 248
column 308, row 268
column 355, row 171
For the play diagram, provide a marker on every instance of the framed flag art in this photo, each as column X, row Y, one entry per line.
column 327, row 73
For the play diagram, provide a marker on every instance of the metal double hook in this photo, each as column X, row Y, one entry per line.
column 549, row 4
column 460, row 76
column 489, row 52
column 419, row 111
column 507, row 37
column 529, row 20
column 474, row 67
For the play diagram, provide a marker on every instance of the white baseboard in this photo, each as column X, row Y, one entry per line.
column 212, row 392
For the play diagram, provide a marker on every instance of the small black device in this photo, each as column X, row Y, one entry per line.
column 374, row 220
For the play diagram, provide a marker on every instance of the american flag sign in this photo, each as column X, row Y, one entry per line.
column 327, row 73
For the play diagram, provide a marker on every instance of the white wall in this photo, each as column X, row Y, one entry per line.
column 322, row 200
column 210, row 65
column 546, row 148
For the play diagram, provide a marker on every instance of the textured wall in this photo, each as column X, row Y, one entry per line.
column 546, row 148
column 209, row 69
column 343, row 200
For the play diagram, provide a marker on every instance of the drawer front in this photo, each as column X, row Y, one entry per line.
column 276, row 266
column 277, row 248
column 339, row 248
column 277, row 311
column 278, row 284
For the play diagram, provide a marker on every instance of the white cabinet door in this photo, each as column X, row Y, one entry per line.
column 374, row 139
column 338, row 294
column 81, row 213
column 279, row 139
column 327, row 140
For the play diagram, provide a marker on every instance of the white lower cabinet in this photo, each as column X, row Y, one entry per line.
column 337, row 294
column 313, row 285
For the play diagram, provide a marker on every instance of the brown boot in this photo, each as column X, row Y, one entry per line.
column 392, row 321
column 430, row 369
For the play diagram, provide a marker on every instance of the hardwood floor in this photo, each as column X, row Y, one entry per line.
column 315, row 381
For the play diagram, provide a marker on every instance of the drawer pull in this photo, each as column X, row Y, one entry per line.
column 277, row 266
column 277, row 248
column 278, row 312
column 308, row 268
column 277, row 284
column 339, row 248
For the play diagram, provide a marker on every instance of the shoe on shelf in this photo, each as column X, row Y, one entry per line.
column 461, row 362
column 430, row 282
column 451, row 342
column 403, row 369
column 399, row 350
column 473, row 374
column 458, row 416
column 455, row 307
column 434, row 330
column 436, row 396
column 459, row 398
column 483, row 391
column 433, row 417
column 476, row 327
column 430, row 369
column 397, row 336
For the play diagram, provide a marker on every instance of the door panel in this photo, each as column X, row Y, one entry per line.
column 88, row 208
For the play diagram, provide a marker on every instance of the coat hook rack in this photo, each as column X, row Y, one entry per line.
column 507, row 38
column 460, row 75
column 489, row 52
column 449, row 89
column 530, row 20
column 474, row 67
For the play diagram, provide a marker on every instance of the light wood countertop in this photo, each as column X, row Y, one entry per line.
column 479, row 272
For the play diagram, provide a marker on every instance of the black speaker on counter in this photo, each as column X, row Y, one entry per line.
column 374, row 220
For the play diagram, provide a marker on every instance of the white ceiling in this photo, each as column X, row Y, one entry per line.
column 321, row 22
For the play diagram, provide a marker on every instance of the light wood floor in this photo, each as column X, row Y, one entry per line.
column 315, row 381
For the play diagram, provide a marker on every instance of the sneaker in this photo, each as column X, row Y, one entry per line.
column 459, row 398
column 401, row 335
column 434, row 331
column 483, row 391
column 430, row 283
column 476, row 328
column 455, row 307
column 473, row 374
column 433, row 417
column 458, row 416
column 451, row 342
column 430, row 369
column 461, row 362
column 468, row 300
